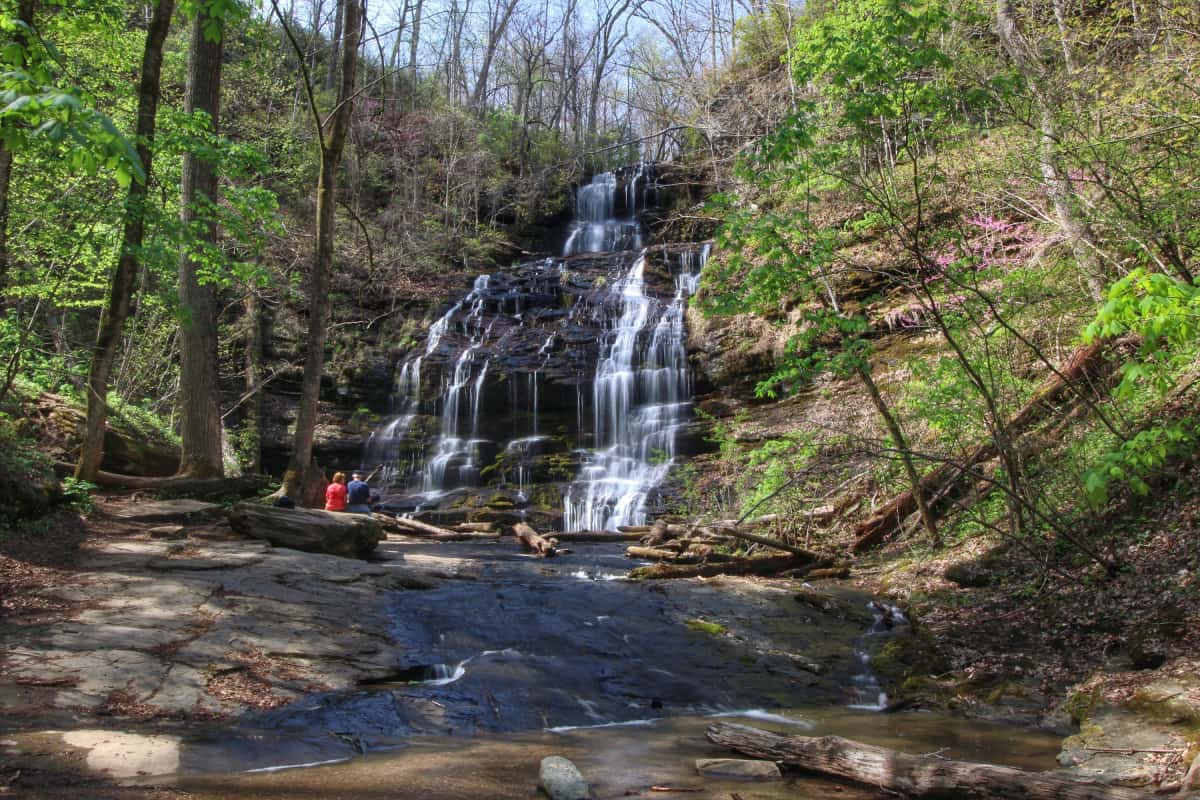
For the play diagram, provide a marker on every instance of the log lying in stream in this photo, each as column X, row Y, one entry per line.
column 474, row 527
column 530, row 540
column 908, row 775
column 412, row 527
column 597, row 536
column 762, row 565
column 677, row 556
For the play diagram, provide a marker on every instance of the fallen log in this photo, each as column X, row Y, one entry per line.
column 408, row 526
column 478, row 527
column 908, row 775
column 633, row 529
column 775, row 543
column 753, row 522
column 828, row 572
column 597, row 536
column 763, row 565
column 175, row 485
column 661, row 554
column 449, row 536
column 941, row 486
column 530, row 540
column 311, row 530
column 659, row 533
column 683, row 556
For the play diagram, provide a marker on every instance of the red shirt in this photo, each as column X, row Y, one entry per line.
column 335, row 497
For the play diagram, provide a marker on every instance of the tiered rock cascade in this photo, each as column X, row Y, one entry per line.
column 557, row 391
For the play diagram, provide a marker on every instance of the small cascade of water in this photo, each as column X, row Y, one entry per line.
column 866, row 692
column 596, row 228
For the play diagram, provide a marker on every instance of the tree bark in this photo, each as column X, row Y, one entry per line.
column 938, row 485
column 331, row 63
column 112, row 318
column 318, row 283
column 200, row 406
column 25, row 15
column 530, row 540
column 764, row 565
column 910, row 469
column 907, row 775
column 252, row 424
column 1067, row 206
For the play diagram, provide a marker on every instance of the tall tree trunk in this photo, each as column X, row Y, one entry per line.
column 1067, row 206
column 910, row 469
column 25, row 15
column 112, row 318
column 331, row 63
column 414, row 43
column 318, row 284
column 252, row 426
column 200, row 406
column 495, row 34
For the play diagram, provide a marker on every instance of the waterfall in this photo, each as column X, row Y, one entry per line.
column 641, row 398
column 566, row 374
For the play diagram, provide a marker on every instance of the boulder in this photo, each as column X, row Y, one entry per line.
column 562, row 780
column 311, row 530
column 739, row 769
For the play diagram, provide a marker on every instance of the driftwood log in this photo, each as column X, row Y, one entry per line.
column 762, row 565
column 530, row 540
column 946, row 483
column 412, row 527
column 476, row 527
column 597, row 536
column 908, row 775
column 311, row 530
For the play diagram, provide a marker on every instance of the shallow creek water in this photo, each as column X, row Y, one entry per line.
column 511, row 659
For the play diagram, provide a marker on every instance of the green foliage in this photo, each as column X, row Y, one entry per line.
column 1134, row 460
column 1164, row 313
column 35, row 107
column 77, row 494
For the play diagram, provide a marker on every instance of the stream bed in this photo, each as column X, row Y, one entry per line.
column 510, row 659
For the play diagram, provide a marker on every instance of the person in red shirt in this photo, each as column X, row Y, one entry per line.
column 335, row 493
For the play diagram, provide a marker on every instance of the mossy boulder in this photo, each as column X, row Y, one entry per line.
column 905, row 655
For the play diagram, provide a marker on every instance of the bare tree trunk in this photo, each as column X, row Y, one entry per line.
column 910, row 469
column 1067, row 206
column 112, row 318
column 25, row 15
column 414, row 43
column 495, row 34
column 252, row 426
column 331, row 64
column 318, row 285
column 200, row 405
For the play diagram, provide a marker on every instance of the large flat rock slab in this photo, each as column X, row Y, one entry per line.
column 167, row 511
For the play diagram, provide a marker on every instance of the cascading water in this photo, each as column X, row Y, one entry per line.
column 641, row 398
column 565, row 376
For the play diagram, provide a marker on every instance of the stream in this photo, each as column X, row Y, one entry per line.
column 513, row 658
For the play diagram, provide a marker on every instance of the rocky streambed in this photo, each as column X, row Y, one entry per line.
column 177, row 649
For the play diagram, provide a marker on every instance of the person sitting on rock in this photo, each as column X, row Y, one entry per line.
column 358, row 495
column 335, row 493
